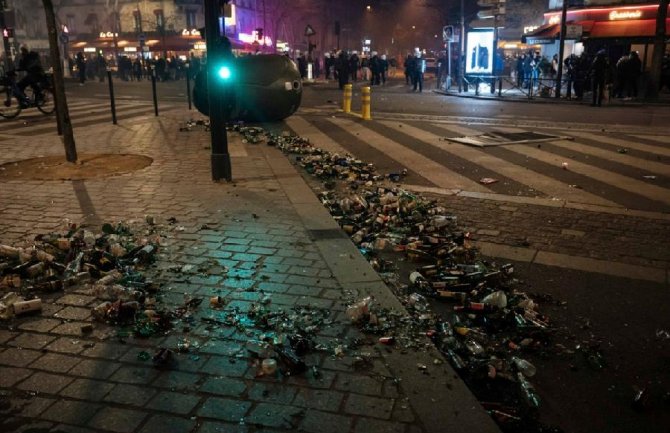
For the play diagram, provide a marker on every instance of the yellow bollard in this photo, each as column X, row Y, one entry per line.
column 346, row 103
column 365, row 103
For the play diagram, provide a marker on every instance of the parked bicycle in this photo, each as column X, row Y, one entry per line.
column 11, row 103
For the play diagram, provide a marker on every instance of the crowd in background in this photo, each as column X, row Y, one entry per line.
column 94, row 67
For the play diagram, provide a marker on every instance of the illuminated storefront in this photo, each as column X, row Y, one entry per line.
column 616, row 29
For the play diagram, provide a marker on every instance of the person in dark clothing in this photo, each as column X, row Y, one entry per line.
column 342, row 68
column 634, row 72
column 384, row 67
column 327, row 64
column 101, row 67
column 409, row 67
column 419, row 70
column 81, row 67
column 622, row 76
column 137, row 69
column 354, row 66
column 519, row 70
column 302, row 66
column 570, row 64
column 598, row 73
column 375, row 68
column 31, row 65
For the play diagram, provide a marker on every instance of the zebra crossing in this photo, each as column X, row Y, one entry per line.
column 585, row 167
column 83, row 112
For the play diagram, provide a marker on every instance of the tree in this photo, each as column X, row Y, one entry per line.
column 59, row 84
column 659, row 50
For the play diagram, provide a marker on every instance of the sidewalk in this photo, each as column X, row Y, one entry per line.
column 275, row 237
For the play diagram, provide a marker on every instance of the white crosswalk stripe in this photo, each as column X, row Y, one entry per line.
column 605, row 176
column 82, row 113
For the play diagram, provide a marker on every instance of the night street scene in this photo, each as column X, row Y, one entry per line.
column 319, row 216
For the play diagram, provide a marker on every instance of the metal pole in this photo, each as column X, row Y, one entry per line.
column 8, row 50
column 59, row 123
column 111, row 95
column 461, row 59
column 153, row 88
column 188, row 84
column 448, row 65
column 561, row 47
column 220, row 159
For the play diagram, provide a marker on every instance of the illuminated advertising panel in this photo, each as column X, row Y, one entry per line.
column 479, row 52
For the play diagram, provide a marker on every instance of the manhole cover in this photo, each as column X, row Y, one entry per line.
column 500, row 138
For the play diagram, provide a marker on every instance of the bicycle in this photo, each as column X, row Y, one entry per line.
column 11, row 104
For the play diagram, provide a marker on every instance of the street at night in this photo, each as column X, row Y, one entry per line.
column 446, row 258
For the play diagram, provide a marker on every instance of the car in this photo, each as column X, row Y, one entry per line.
column 431, row 65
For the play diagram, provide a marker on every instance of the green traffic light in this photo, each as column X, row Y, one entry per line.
column 224, row 72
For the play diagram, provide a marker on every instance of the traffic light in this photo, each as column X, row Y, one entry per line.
column 224, row 72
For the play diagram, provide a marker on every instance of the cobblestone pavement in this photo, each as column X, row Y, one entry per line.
column 273, row 236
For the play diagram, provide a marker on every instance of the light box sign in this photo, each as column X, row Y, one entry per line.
column 480, row 52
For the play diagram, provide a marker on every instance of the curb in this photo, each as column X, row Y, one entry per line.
column 645, row 103
column 441, row 405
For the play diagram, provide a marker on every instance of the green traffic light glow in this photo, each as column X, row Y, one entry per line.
column 224, row 72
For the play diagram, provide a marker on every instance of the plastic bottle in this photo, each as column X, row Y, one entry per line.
column 524, row 366
column 528, row 391
column 474, row 347
column 497, row 299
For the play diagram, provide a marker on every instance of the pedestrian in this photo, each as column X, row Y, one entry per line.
column 354, row 66
column 570, row 64
column 101, row 67
column 598, row 74
column 520, row 60
column 342, row 69
column 384, row 67
column 365, row 68
column 137, row 68
column 375, row 69
column 302, row 66
column 621, row 77
column 419, row 70
column 409, row 68
column 81, row 67
column 328, row 65
column 634, row 72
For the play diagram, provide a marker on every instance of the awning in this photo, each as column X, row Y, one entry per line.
column 546, row 34
column 626, row 29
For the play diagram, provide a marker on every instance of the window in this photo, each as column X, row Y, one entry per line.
column 137, row 19
column 190, row 19
column 92, row 21
column 160, row 19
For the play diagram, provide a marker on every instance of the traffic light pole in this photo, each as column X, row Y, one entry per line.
column 221, row 167
column 561, row 48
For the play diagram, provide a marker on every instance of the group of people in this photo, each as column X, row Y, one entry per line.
column 530, row 68
column 345, row 67
column 415, row 68
column 132, row 69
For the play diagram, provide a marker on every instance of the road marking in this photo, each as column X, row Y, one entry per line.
column 532, row 179
column 626, row 159
column 660, row 138
column 579, row 263
column 425, row 167
column 303, row 128
column 626, row 183
column 458, row 130
column 618, row 142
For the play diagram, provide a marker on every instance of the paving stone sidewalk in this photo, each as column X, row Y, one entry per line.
column 274, row 237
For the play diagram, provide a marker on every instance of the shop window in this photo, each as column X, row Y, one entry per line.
column 190, row 19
